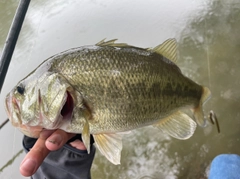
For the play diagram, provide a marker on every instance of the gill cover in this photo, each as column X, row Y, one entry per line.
column 53, row 93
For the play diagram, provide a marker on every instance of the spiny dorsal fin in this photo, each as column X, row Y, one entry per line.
column 112, row 43
column 177, row 125
column 168, row 49
column 110, row 145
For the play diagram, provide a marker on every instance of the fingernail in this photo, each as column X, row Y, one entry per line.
column 28, row 166
column 56, row 139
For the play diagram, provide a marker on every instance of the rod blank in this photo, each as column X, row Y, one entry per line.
column 12, row 39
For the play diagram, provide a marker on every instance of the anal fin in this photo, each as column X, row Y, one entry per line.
column 177, row 125
column 110, row 145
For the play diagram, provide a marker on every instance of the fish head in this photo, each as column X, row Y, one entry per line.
column 40, row 102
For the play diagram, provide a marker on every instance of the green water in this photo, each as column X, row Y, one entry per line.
column 209, row 53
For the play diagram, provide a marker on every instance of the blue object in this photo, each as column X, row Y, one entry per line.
column 225, row 166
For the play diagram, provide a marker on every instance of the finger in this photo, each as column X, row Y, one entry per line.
column 35, row 156
column 78, row 144
column 58, row 139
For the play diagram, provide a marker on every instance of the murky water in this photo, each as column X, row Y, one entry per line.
column 209, row 53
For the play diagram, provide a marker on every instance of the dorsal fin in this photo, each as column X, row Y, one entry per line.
column 112, row 43
column 168, row 49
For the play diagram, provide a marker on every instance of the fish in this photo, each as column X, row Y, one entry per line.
column 105, row 90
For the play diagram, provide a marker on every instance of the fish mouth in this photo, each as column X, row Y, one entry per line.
column 13, row 109
column 65, row 114
column 12, row 105
column 8, row 105
column 67, row 109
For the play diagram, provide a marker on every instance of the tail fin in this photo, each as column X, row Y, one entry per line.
column 198, row 111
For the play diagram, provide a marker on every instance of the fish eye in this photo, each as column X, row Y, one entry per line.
column 20, row 89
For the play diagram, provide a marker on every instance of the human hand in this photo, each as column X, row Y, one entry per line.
column 49, row 140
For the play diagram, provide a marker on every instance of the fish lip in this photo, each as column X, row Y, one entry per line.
column 10, row 104
column 7, row 105
column 16, row 103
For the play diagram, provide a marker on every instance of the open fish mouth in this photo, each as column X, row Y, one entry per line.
column 67, row 109
column 13, row 109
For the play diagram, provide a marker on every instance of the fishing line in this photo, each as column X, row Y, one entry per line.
column 13, row 146
column 212, row 116
column 208, row 60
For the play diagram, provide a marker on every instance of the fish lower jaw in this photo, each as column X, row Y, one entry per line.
column 31, row 131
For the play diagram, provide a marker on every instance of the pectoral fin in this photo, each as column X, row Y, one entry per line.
column 86, row 130
column 86, row 136
column 110, row 145
column 177, row 125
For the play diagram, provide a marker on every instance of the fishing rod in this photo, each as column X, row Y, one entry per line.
column 11, row 41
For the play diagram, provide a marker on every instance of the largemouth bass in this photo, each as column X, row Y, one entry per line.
column 106, row 89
